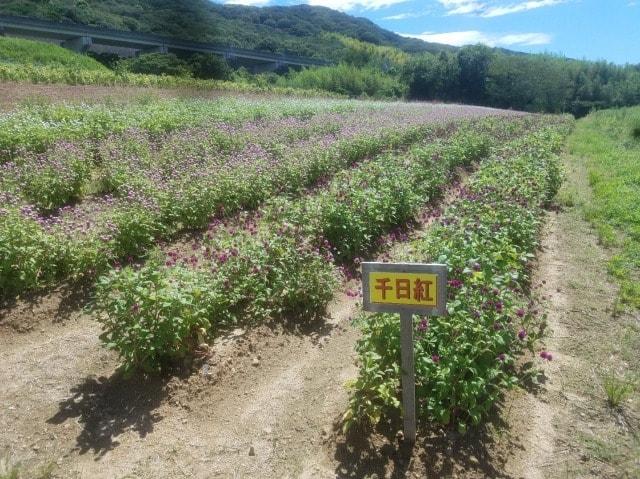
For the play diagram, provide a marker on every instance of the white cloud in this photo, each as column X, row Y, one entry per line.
column 519, row 7
column 404, row 16
column 492, row 9
column 472, row 37
column 462, row 7
column 351, row 4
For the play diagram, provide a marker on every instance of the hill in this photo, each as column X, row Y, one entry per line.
column 301, row 29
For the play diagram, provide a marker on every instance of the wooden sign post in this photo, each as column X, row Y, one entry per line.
column 408, row 289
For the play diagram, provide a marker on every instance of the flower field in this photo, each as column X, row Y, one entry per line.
column 72, row 209
column 188, row 218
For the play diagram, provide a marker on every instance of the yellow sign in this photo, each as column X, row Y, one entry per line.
column 411, row 288
column 416, row 289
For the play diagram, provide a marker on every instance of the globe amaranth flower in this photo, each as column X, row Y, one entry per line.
column 423, row 325
column 546, row 355
column 522, row 334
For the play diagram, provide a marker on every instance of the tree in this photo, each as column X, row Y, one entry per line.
column 474, row 65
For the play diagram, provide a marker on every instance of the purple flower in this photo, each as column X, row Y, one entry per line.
column 520, row 312
column 424, row 325
column 543, row 354
column 522, row 334
column 435, row 358
column 501, row 357
column 135, row 308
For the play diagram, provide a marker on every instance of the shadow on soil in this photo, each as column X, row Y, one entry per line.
column 109, row 407
column 26, row 311
column 438, row 452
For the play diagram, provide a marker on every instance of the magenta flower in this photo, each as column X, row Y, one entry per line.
column 435, row 358
column 501, row 357
column 522, row 334
column 520, row 313
column 424, row 325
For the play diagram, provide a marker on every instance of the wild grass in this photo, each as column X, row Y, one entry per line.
column 617, row 390
column 612, row 159
column 19, row 51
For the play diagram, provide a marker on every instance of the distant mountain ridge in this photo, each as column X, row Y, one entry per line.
column 299, row 29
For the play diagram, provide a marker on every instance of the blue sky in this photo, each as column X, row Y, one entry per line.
column 591, row 29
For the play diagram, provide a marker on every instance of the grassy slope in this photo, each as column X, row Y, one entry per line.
column 20, row 51
column 605, row 142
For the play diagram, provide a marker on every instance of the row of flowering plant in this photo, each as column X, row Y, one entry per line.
column 488, row 238
column 268, row 264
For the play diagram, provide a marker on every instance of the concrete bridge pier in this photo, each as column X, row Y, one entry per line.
column 78, row 44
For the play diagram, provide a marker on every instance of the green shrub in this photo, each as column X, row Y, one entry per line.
column 151, row 316
column 346, row 80
column 156, row 64
column 29, row 257
column 136, row 228
column 209, row 66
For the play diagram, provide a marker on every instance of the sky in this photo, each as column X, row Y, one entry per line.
column 591, row 29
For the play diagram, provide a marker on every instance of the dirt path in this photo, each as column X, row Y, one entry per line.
column 567, row 428
column 261, row 406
